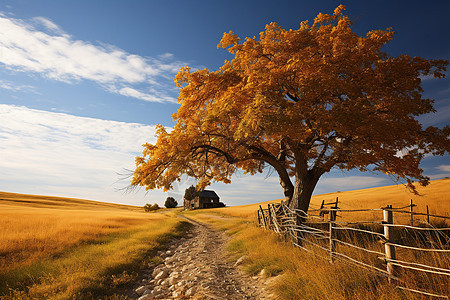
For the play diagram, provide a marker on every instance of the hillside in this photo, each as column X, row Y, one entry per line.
column 436, row 196
column 63, row 246
column 15, row 199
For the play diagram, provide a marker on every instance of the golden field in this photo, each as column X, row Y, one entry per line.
column 302, row 275
column 436, row 195
column 68, row 247
column 62, row 248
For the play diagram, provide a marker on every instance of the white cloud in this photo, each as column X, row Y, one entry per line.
column 444, row 168
column 166, row 56
column 47, row 24
column 130, row 92
column 41, row 46
column 439, row 176
column 7, row 85
column 59, row 154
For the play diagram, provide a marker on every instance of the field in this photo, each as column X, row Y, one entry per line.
column 61, row 248
column 436, row 196
column 75, row 248
column 302, row 275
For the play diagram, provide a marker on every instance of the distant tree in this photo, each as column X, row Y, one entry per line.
column 149, row 207
column 191, row 193
column 303, row 102
column 171, row 202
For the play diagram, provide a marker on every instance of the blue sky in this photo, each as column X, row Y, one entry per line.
column 83, row 84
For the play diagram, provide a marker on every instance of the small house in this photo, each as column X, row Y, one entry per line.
column 206, row 199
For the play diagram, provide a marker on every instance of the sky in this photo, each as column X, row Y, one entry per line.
column 83, row 84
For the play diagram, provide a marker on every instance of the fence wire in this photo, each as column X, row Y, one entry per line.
column 300, row 228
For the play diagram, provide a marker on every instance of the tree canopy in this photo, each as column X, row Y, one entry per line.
column 191, row 193
column 149, row 207
column 303, row 102
column 170, row 202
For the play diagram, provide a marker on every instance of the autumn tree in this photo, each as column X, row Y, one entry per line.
column 302, row 102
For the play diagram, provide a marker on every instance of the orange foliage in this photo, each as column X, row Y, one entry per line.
column 302, row 101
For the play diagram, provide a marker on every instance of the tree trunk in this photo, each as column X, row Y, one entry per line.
column 303, row 189
column 288, row 190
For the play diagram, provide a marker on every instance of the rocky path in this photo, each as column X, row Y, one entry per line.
column 196, row 267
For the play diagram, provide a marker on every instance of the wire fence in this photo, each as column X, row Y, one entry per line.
column 417, row 252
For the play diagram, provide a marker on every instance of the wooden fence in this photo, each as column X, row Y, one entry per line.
column 378, row 245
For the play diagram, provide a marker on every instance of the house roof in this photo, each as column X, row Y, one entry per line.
column 208, row 194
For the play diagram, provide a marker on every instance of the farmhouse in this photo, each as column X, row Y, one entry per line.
column 206, row 199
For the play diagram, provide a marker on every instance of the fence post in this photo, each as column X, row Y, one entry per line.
column 331, row 233
column 411, row 205
column 274, row 218
column 263, row 217
column 428, row 215
column 321, row 213
column 269, row 217
column 388, row 219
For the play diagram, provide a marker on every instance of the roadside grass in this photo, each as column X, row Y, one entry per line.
column 297, row 274
column 292, row 273
column 67, row 252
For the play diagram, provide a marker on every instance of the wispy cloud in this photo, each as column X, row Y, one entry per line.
column 444, row 168
column 41, row 46
column 7, row 85
column 55, row 153
column 441, row 117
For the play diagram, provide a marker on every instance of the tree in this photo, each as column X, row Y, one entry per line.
column 191, row 193
column 171, row 202
column 302, row 102
column 149, row 207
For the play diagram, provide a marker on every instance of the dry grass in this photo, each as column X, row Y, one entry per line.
column 59, row 248
column 33, row 228
column 293, row 273
column 301, row 275
column 436, row 196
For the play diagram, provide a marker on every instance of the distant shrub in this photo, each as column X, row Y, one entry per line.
column 149, row 207
column 171, row 202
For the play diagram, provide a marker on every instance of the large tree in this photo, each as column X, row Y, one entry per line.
column 302, row 102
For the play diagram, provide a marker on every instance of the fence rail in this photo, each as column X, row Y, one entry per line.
column 378, row 240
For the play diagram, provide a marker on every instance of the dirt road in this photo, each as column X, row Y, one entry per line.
column 196, row 267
